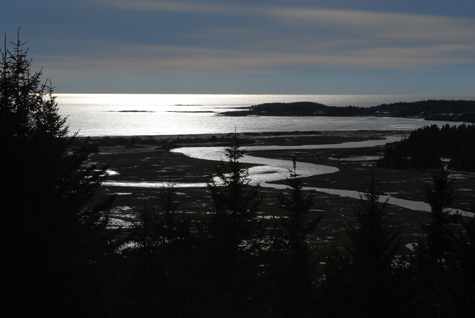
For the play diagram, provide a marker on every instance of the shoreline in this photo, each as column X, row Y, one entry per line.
column 266, row 136
column 264, row 133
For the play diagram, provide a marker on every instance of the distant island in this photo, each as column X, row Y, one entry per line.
column 446, row 110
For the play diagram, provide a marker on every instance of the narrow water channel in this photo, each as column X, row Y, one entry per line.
column 269, row 170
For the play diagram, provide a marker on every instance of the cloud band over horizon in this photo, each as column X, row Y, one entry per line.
column 273, row 42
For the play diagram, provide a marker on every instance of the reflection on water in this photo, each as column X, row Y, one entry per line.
column 269, row 170
column 408, row 204
column 275, row 169
column 182, row 114
column 152, row 184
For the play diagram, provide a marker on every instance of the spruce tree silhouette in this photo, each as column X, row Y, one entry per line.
column 436, row 256
column 160, row 268
column 462, row 288
column 52, row 239
column 233, row 232
column 364, row 283
column 295, row 295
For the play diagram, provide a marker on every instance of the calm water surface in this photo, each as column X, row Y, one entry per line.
column 183, row 114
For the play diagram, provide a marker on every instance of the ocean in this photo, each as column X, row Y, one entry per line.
column 189, row 114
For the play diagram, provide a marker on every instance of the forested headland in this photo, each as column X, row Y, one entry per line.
column 446, row 110
column 425, row 147
column 61, row 256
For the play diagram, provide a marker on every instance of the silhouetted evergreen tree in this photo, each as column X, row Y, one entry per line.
column 374, row 241
column 234, row 233
column 161, row 265
column 463, row 274
column 294, row 270
column 438, row 249
column 53, row 241
column 437, row 254
column 366, row 283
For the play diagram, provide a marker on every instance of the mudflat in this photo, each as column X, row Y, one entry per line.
column 142, row 159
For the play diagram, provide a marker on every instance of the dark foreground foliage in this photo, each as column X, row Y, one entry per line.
column 59, row 258
column 53, row 242
column 177, row 265
column 368, row 282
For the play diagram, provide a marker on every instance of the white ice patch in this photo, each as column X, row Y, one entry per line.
column 112, row 172
column 120, row 209
column 411, row 246
column 272, row 217
column 116, row 223
column 357, row 158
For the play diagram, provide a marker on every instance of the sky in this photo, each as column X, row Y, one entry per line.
column 403, row 47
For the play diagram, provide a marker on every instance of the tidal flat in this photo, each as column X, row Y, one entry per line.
column 140, row 164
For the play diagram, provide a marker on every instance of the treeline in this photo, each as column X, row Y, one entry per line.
column 303, row 109
column 446, row 110
column 425, row 147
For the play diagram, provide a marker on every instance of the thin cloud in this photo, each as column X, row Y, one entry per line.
column 384, row 24
column 193, row 59
column 368, row 27
column 279, row 38
column 381, row 24
column 174, row 6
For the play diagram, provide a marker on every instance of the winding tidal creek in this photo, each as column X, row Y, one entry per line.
column 270, row 170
